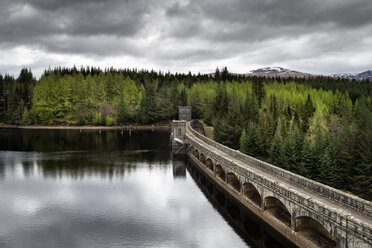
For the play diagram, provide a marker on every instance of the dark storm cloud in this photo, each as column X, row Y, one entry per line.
column 257, row 20
column 192, row 31
column 26, row 22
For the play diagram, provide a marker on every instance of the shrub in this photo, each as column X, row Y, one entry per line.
column 97, row 119
column 109, row 121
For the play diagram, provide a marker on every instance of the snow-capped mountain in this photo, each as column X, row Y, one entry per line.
column 273, row 72
column 285, row 73
column 278, row 72
column 358, row 76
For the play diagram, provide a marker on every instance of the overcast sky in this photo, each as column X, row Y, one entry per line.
column 316, row 36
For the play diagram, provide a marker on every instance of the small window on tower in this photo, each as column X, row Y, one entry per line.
column 179, row 131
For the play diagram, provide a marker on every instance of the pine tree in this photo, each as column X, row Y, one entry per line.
column 221, row 101
column 308, row 113
column 265, row 125
column 149, row 106
column 259, row 90
column 217, row 75
column 319, row 144
column 251, row 142
column 226, row 131
column 250, row 109
column 228, row 127
column 307, row 157
column 183, row 97
column 225, row 74
column 363, row 181
column 362, row 121
column 333, row 171
column 277, row 156
column 292, row 148
column 282, row 127
column 274, row 111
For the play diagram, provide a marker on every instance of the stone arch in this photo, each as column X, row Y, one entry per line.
column 220, row 172
column 233, row 180
column 209, row 164
column 314, row 231
column 251, row 192
column 196, row 153
column 202, row 158
column 192, row 149
column 275, row 207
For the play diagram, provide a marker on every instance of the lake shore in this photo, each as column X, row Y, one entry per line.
column 125, row 127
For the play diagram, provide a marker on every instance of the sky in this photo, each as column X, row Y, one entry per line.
column 314, row 36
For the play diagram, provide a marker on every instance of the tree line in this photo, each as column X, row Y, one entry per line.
column 318, row 127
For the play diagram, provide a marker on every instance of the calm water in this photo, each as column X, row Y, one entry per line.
column 63, row 188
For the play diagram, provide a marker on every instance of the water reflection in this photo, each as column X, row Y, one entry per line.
column 88, row 140
column 69, row 153
column 2, row 170
column 245, row 223
column 28, row 168
column 75, row 165
column 179, row 167
column 120, row 191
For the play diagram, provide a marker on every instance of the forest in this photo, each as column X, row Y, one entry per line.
column 318, row 127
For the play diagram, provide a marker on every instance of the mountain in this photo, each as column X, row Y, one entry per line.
column 357, row 76
column 273, row 72
column 278, row 72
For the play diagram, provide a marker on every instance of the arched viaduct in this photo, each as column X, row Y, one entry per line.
column 308, row 213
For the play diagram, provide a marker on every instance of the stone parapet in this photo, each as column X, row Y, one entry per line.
column 302, row 196
column 333, row 194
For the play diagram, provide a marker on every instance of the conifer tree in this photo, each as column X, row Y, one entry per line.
column 319, row 144
column 221, row 102
column 277, row 155
column 259, row 90
column 333, row 170
column 363, row 180
column 149, row 106
column 308, row 113
column 224, row 74
column 217, row 75
column 250, row 108
column 123, row 116
column 265, row 125
column 307, row 157
column 183, row 97
column 251, row 141
column 228, row 127
column 274, row 111
column 292, row 148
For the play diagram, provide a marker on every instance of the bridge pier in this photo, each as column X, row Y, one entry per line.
column 262, row 200
column 293, row 221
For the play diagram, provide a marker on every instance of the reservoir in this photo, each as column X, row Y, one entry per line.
column 71, row 188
